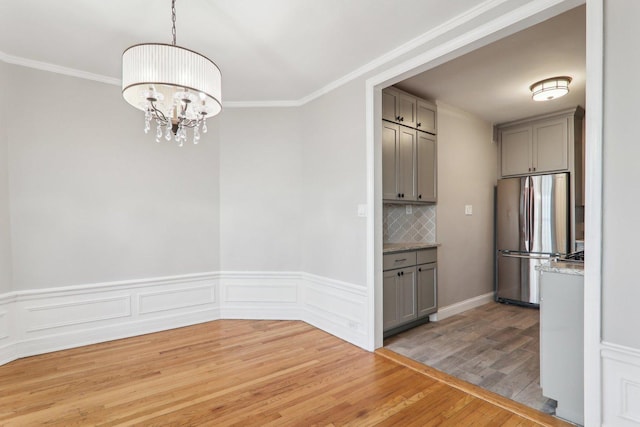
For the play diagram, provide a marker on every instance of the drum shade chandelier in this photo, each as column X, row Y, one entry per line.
column 548, row 89
column 176, row 87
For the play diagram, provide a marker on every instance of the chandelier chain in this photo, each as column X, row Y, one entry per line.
column 173, row 20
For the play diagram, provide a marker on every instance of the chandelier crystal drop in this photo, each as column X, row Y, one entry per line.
column 176, row 87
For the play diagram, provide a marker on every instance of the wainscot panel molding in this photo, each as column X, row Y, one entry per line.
column 260, row 295
column 40, row 321
column 620, row 386
column 336, row 307
column 459, row 307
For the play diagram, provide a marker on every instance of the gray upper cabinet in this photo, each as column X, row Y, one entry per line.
column 427, row 161
column 426, row 120
column 538, row 145
column 409, row 156
column 399, row 107
column 399, row 174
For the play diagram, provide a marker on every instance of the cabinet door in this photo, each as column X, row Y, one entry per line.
column 407, row 295
column 399, row 297
column 550, row 146
column 515, row 149
column 426, row 117
column 390, row 318
column 390, row 105
column 407, row 109
column 426, row 163
column 427, row 290
column 390, row 149
column 407, row 164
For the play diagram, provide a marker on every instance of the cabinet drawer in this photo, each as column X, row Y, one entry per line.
column 399, row 260
column 427, row 256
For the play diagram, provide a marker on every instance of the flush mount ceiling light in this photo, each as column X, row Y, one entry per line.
column 176, row 87
column 548, row 89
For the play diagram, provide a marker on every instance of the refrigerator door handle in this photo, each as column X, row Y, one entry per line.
column 542, row 256
column 531, row 215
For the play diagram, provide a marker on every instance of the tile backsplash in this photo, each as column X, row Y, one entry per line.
column 399, row 227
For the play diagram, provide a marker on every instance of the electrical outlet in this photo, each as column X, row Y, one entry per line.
column 468, row 209
column 409, row 209
column 362, row 210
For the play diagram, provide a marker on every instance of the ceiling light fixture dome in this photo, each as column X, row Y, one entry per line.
column 552, row 88
column 176, row 87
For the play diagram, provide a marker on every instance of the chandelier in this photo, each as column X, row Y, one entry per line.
column 176, row 87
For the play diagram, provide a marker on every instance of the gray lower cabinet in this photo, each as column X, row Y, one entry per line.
column 409, row 288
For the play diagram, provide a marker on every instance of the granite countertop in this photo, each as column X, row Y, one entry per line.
column 575, row 268
column 388, row 248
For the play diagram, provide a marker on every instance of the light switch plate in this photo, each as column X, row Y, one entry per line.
column 362, row 210
column 468, row 209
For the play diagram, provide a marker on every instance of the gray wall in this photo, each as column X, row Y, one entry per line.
column 93, row 198
column 467, row 165
column 261, row 203
column 334, row 182
column 5, row 225
column 621, row 174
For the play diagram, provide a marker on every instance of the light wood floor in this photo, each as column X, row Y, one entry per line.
column 495, row 346
column 244, row 373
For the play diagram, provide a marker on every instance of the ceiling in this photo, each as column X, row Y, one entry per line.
column 266, row 49
column 284, row 50
column 493, row 82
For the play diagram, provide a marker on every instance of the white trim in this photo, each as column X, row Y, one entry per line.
column 40, row 321
column 461, row 307
column 620, row 385
column 593, row 378
column 58, row 69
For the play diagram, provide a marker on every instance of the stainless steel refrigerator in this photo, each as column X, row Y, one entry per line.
column 532, row 226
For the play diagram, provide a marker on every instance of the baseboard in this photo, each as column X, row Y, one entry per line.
column 462, row 306
column 620, row 385
column 40, row 321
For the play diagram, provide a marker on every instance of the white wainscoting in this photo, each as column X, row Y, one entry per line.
column 620, row 386
column 40, row 321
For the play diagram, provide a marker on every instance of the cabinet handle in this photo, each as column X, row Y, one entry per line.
column 398, row 274
column 402, row 195
column 529, row 169
column 534, row 169
column 399, row 195
column 400, row 260
column 402, row 273
column 398, row 118
column 420, row 269
column 419, row 196
column 418, row 125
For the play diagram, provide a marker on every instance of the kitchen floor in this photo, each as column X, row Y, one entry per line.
column 495, row 346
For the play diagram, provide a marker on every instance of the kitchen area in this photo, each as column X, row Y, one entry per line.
column 483, row 217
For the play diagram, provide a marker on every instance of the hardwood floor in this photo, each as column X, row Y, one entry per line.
column 495, row 346
column 243, row 373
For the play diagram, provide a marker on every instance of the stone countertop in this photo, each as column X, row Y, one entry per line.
column 574, row 268
column 388, row 248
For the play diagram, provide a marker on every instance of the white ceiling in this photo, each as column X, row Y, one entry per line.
column 266, row 49
column 493, row 82
column 284, row 50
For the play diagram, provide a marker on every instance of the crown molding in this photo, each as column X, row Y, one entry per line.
column 58, row 69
